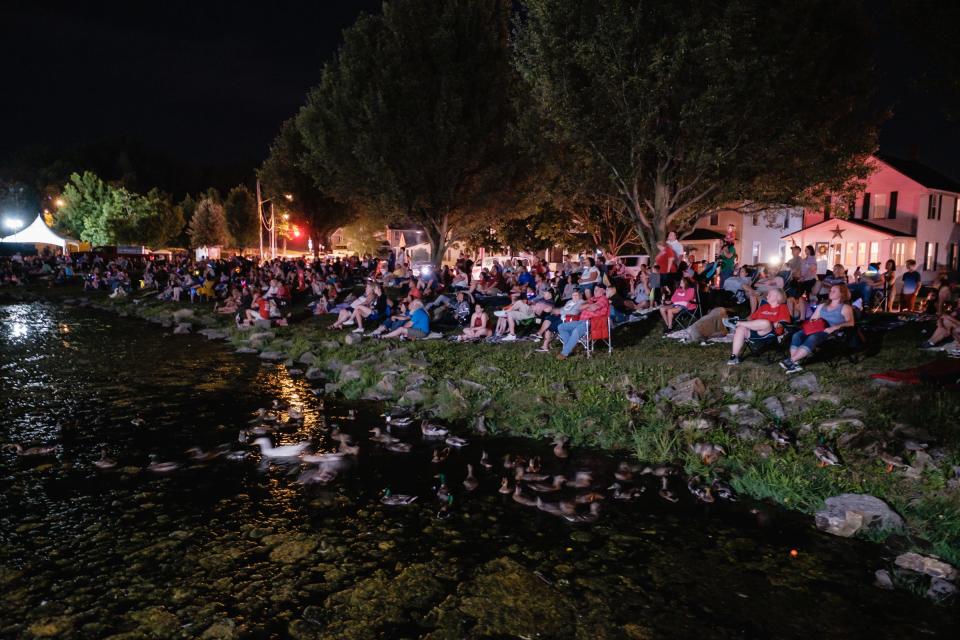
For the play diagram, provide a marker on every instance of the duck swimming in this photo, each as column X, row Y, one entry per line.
column 105, row 463
column 519, row 498
column 619, row 493
column 377, row 435
column 724, row 491
column 199, row 455
column 138, row 422
column 560, row 448
column 520, row 473
column 439, row 455
column 294, row 414
column 433, row 431
column 31, row 451
column 581, row 480
column 318, row 476
column 558, row 482
column 267, row 450
column 665, row 491
column 505, row 486
column 161, row 467
column 699, row 491
column 455, row 441
column 398, row 447
column 323, row 458
column 470, row 483
column 396, row 499
column 624, row 472
column 485, row 461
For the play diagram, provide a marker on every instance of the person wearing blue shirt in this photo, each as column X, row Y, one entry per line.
column 525, row 279
column 417, row 328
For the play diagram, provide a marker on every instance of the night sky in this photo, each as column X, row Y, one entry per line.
column 209, row 83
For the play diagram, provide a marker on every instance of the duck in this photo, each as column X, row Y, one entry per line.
column 665, row 491
column 560, row 448
column 443, row 491
column 294, row 414
column 556, row 485
column 440, row 454
column 660, row 470
column 399, row 421
column 259, row 430
column 699, row 491
column 321, row 476
column 279, row 405
column 455, row 441
column 781, row 438
column 620, row 493
column 533, row 465
column 519, row 498
column 348, row 450
column 237, row 456
column 723, row 490
column 138, row 422
column 161, row 467
column 635, row 399
column 625, row 472
column 31, row 451
column 470, row 483
column 105, row 463
column 509, row 462
column 264, row 415
column 707, row 452
column 396, row 499
column 552, row 508
column 590, row 516
column 588, row 497
column 398, row 447
column 825, row 456
column 377, row 435
column 505, row 487
column 892, row 462
column 581, row 480
column 520, row 473
column 199, row 455
column 485, row 461
column 323, row 458
column 267, row 450
column 433, row 430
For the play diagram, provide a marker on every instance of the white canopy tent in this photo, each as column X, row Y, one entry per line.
column 37, row 232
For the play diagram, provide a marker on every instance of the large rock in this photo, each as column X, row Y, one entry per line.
column 306, row 358
column 805, row 382
column 245, row 350
column 182, row 328
column 848, row 513
column 743, row 415
column 940, row 590
column 272, row 356
column 683, row 391
column 352, row 338
column 180, row 315
column 214, row 334
column 314, row 373
column 933, row 567
column 259, row 338
column 840, row 424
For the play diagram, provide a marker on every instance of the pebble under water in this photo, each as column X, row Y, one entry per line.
column 240, row 549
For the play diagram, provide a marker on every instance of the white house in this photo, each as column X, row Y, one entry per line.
column 758, row 236
column 907, row 210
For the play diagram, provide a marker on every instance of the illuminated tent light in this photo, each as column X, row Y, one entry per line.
column 12, row 223
column 37, row 233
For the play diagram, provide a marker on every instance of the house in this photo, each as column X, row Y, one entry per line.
column 907, row 210
column 758, row 235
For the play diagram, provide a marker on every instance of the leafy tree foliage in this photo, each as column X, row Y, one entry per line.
column 689, row 105
column 283, row 175
column 208, row 226
column 412, row 118
column 240, row 209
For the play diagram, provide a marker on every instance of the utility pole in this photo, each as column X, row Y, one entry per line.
column 260, row 219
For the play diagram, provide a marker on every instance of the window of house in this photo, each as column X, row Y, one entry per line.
column 956, row 210
column 862, row 254
column 786, row 221
column 851, row 255
column 756, row 219
column 714, row 219
column 755, row 252
column 898, row 253
column 874, row 251
column 930, row 256
column 879, row 206
column 952, row 257
column 932, row 202
column 892, row 205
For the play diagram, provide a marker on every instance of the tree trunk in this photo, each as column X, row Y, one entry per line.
column 438, row 232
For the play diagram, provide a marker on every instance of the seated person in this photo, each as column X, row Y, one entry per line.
column 909, row 286
column 642, row 293
column 619, row 311
column 684, row 298
column 948, row 326
column 767, row 319
column 869, row 280
column 477, row 327
column 571, row 332
column 416, row 328
column 259, row 309
column 374, row 306
column 517, row 311
column 837, row 314
column 764, row 282
column 837, row 276
column 345, row 315
column 397, row 319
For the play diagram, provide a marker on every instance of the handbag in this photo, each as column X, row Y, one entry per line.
column 811, row 327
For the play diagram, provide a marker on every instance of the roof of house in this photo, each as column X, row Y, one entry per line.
column 929, row 178
column 861, row 223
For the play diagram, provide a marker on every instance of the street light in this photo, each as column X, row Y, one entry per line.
column 272, row 227
column 59, row 203
column 12, row 223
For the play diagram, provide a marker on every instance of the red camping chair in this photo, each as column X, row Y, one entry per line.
column 601, row 330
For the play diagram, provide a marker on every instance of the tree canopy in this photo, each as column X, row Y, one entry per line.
column 240, row 210
column 412, row 118
column 208, row 226
column 690, row 105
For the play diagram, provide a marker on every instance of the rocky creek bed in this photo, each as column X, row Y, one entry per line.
column 223, row 550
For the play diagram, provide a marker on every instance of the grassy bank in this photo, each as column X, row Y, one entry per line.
column 520, row 392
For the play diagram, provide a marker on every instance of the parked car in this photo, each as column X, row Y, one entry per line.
column 632, row 263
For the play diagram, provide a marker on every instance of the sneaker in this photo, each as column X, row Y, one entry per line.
column 357, row 330
column 509, row 338
column 730, row 323
column 793, row 367
column 926, row 344
column 785, row 364
column 734, row 360
column 953, row 353
column 349, row 323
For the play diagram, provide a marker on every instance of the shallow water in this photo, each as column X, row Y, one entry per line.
column 240, row 549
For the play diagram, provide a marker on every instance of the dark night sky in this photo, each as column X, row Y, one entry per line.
column 210, row 82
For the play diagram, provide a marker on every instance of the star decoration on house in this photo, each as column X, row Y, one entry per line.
column 838, row 232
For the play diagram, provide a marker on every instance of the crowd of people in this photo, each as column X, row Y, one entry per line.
column 505, row 302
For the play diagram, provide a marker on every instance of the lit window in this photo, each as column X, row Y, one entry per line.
column 874, row 251
column 879, row 208
column 932, row 211
column 930, row 256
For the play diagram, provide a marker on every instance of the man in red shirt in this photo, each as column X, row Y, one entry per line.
column 767, row 318
column 571, row 332
column 666, row 259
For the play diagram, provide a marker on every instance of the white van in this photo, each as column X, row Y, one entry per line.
column 631, row 264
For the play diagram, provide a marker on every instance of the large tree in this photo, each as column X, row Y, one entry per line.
column 240, row 209
column 286, row 182
column 411, row 119
column 208, row 226
column 691, row 105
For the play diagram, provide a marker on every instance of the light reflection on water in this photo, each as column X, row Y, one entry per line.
column 113, row 537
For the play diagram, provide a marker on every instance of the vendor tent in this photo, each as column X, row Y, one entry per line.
column 37, row 233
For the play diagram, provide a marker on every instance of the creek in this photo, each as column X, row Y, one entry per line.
column 230, row 549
